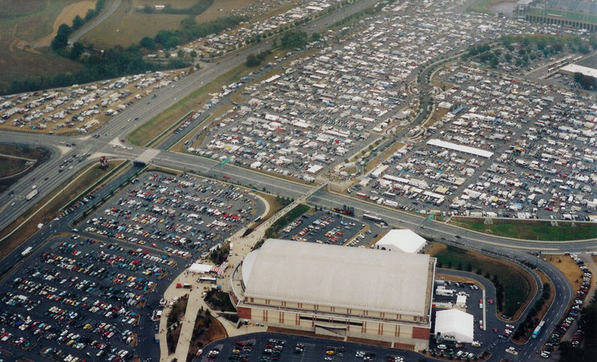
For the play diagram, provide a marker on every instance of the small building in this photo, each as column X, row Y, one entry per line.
column 454, row 325
column 403, row 240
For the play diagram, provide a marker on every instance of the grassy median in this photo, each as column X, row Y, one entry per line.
column 515, row 287
column 531, row 230
column 63, row 194
column 192, row 102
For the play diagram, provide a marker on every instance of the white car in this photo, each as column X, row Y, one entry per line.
column 512, row 351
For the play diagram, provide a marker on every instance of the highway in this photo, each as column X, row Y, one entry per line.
column 109, row 144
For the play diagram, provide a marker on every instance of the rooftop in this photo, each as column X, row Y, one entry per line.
column 355, row 278
column 405, row 240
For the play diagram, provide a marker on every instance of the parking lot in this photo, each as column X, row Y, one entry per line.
column 80, row 109
column 496, row 158
column 89, row 295
column 288, row 348
column 180, row 215
column 80, row 297
column 332, row 228
column 483, row 311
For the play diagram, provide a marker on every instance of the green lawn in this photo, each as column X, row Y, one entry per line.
column 516, row 282
column 533, row 230
column 148, row 131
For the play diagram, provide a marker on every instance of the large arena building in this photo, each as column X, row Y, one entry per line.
column 351, row 293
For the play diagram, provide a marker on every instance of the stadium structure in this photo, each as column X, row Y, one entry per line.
column 355, row 294
column 565, row 13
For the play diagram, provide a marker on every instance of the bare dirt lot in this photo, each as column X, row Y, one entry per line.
column 66, row 16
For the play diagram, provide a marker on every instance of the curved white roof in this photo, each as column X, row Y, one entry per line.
column 456, row 324
column 358, row 278
column 404, row 240
column 248, row 263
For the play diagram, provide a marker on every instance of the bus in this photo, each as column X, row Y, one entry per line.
column 372, row 218
column 538, row 329
column 208, row 280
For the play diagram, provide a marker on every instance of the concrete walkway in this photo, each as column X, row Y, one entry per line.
column 241, row 247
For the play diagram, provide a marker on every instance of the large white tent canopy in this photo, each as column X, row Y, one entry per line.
column 404, row 240
column 200, row 268
column 454, row 325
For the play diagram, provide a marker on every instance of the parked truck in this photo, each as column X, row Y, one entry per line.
column 441, row 290
column 31, row 195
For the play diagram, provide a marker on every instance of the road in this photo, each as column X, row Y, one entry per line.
column 144, row 110
column 128, row 120
column 93, row 23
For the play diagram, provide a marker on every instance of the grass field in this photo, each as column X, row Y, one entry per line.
column 22, row 23
column 66, row 16
column 10, row 166
column 13, row 168
column 484, row 6
column 89, row 176
column 532, row 230
column 518, row 285
column 128, row 25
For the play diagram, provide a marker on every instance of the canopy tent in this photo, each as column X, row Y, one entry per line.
column 404, row 240
column 200, row 268
column 454, row 325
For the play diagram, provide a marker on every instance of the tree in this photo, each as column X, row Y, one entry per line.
column 252, row 61
column 76, row 50
column 588, row 320
column 91, row 13
column 315, row 36
column 77, row 22
column 469, row 267
column 148, row 43
column 292, row 40
column 61, row 39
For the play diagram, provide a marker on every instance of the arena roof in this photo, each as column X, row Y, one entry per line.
column 356, row 278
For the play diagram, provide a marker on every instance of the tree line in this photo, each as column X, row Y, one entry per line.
column 118, row 61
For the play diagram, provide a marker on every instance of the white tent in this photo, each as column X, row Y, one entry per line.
column 454, row 325
column 461, row 301
column 404, row 240
column 200, row 268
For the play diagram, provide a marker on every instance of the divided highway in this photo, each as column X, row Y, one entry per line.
column 145, row 109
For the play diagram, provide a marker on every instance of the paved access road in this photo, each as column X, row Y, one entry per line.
column 133, row 117
column 93, row 23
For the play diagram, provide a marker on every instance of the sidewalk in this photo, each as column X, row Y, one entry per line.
column 242, row 247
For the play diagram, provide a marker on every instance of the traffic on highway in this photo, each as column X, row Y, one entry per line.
column 397, row 148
